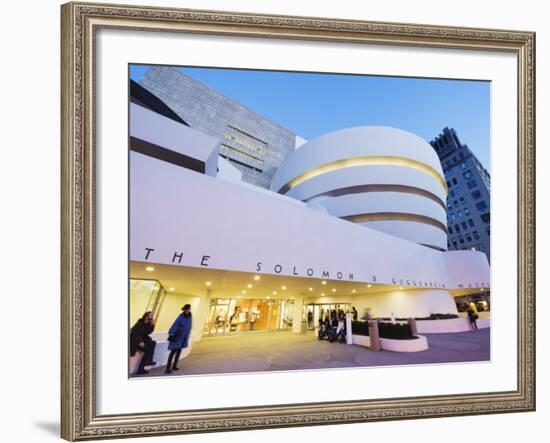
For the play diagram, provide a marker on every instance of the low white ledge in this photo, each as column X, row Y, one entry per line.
column 388, row 344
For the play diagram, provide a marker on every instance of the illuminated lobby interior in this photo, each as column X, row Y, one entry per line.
column 222, row 302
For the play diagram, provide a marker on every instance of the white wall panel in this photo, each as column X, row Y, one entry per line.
column 174, row 209
column 406, row 304
column 420, row 233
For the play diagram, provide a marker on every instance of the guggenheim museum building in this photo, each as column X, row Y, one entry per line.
column 261, row 230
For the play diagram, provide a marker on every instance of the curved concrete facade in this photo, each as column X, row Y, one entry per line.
column 420, row 233
column 381, row 177
column 363, row 178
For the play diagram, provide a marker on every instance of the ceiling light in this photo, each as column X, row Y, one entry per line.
column 257, row 277
column 333, row 289
column 368, row 286
column 322, row 294
column 249, row 286
column 353, row 291
column 274, row 292
column 400, row 287
column 268, row 297
column 171, row 289
column 310, row 289
column 283, row 288
column 149, row 269
column 323, row 282
column 240, row 296
column 243, row 292
column 208, row 283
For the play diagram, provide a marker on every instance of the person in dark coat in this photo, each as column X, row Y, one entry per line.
column 473, row 317
column 141, row 341
column 178, row 338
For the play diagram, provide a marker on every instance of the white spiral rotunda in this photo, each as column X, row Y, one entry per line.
column 383, row 178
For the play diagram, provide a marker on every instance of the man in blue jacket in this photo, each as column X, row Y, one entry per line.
column 178, row 338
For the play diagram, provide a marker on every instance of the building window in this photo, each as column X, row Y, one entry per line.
column 456, row 203
column 450, row 229
column 467, row 175
column 486, row 218
column 467, row 211
column 448, row 184
column 462, row 201
column 449, row 205
column 471, row 223
column 460, row 239
column 460, row 214
column 452, row 194
column 453, row 217
column 476, row 235
column 468, row 237
column 464, row 225
column 480, row 247
column 457, row 190
column 463, row 165
column 455, row 182
column 241, row 152
column 488, row 229
column 457, row 228
column 476, row 194
column 481, row 206
column 472, row 184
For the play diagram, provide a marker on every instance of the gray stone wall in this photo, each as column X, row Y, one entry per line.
column 251, row 142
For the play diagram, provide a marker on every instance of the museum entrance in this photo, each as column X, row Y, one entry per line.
column 233, row 316
column 316, row 311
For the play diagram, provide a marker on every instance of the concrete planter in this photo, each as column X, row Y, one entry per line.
column 361, row 340
column 388, row 344
column 416, row 345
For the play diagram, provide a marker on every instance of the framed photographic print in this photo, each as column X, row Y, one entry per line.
column 284, row 221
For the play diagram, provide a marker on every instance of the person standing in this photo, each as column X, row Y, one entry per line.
column 141, row 341
column 178, row 338
column 472, row 316
column 354, row 313
column 252, row 320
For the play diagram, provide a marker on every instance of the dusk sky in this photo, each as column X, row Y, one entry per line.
column 314, row 104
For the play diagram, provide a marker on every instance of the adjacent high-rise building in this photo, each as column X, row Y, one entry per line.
column 468, row 200
column 253, row 144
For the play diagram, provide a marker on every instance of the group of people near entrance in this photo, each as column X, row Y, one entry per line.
column 332, row 317
column 178, row 338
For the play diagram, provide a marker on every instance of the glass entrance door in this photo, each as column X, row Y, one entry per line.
column 218, row 316
column 229, row 316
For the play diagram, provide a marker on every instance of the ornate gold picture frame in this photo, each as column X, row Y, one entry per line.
column 80, row 23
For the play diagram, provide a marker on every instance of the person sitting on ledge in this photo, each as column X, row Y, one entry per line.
column 140, row 341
